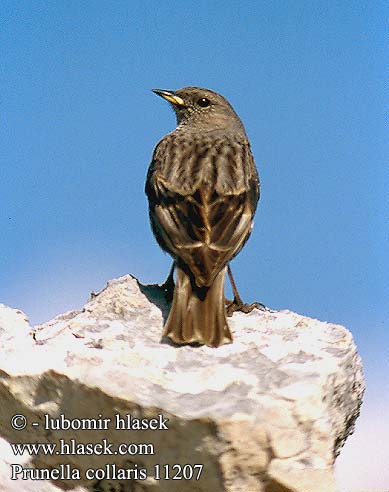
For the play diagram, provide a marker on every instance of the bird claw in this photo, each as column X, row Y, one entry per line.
column 233, row 306
column 168, row 288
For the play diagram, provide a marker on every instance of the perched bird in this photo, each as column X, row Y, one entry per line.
column 203, row 188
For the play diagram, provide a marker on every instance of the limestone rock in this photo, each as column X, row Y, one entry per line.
column 268, row 413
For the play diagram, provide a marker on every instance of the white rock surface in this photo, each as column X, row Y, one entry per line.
column 268, row 413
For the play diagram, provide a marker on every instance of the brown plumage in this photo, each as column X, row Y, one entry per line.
column 203, row 189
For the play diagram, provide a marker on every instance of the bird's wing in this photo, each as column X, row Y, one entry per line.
column 206, row 228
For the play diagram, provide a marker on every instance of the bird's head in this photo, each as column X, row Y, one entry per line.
column 202, row 109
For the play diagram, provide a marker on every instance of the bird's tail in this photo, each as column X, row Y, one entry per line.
column 198, row 314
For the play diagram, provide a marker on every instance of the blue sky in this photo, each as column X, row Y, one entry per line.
column 79, row 124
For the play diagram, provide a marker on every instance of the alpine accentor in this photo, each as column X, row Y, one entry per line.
column 203, row 189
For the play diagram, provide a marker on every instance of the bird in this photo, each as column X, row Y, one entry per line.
column 203, row 188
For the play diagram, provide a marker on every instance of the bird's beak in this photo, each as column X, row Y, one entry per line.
column 170, row 96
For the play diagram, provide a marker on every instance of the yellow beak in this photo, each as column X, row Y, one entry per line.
column 170, row 96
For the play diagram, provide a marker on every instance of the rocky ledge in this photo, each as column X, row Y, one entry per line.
column 268, row 413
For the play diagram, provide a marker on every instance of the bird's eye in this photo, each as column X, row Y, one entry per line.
column 203, row 102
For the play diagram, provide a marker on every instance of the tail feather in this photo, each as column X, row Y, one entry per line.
column 198, row 314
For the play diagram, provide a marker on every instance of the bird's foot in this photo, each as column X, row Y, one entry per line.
column 168, row 288
column 239, row 305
